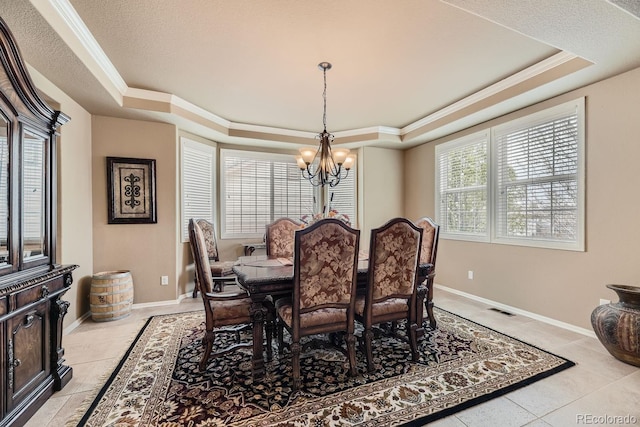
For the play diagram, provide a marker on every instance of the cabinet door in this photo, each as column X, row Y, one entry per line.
column 27, row 359
column 34, row 230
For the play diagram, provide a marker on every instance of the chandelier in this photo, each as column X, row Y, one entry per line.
column 324, row 165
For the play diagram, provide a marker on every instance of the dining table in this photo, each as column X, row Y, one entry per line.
column 263, row 276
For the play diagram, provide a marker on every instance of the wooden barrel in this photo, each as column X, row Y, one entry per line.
column 111, row 295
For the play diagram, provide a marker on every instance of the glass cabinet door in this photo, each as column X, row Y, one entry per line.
column 4, row 192
column 33, row 196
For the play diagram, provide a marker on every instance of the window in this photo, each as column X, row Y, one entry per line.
column 461, row 195
column 198, row 183
column 520, row 184
column 342, row 197
column 258, row 188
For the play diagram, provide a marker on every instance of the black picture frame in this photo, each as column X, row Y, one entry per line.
column 131, row 190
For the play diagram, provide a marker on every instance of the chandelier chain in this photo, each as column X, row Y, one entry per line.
column 324, row 97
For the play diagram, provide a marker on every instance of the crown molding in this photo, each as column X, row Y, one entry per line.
column 509, row 82
column 64, row 19
column 67, row 23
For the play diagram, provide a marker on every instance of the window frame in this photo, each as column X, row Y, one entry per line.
column 548, row 115
column 492, row 235
column 449, row 147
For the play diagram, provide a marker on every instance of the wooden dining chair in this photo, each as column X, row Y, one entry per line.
column 324, row 289
column 231, row 311
column 221, row 271
column 391, row 294
column 428, row 252
column 279, row 237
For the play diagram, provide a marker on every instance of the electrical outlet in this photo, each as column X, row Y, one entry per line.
column 604, row 301
column 470, row 274
column 164, row 280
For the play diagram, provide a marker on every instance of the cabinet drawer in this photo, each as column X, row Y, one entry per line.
column 35, row 293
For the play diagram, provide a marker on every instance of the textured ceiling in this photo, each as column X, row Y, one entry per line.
column 252, row 65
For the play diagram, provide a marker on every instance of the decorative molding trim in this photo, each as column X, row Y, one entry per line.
column 515, row 310
column 380, row 130
column 83, row 37
column 271, row 130
column 513, row 80
column 67, row 23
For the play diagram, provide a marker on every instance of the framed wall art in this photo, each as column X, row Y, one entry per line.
column 131, row 190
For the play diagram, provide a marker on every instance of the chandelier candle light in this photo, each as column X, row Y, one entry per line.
column 324, row 166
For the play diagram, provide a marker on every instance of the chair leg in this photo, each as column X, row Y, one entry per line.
column 280, row 331
column 351, row 350
column 432, row 320
column 412, row 333
column 295, row 365
column 207, row 341
column 368, row 337
column 269, row 327
column 428, row 303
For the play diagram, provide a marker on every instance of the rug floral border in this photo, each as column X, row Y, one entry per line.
column 417, row 396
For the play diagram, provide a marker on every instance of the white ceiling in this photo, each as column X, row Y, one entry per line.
column 404, row 72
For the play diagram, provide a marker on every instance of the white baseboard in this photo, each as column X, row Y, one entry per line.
column 521, row 312
column 77, row 323
column 86, row 315
column 161, row 303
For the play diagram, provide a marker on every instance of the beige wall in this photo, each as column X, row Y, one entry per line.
column 74, row 235
column 380, row 189
column 561, row 285
column 149, row 251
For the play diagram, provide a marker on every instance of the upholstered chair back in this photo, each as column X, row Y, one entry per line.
column 430, row 233
column 326, row 264
column 210, row 242
column 280, row 237
column 394, row 252
column 199, row 249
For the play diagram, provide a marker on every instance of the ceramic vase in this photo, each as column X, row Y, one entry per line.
column 617, row 325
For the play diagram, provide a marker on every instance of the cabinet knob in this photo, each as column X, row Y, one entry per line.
column 16, row 363
column 45, row 291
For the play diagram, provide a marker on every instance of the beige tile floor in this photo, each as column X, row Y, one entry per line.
column 598, row 386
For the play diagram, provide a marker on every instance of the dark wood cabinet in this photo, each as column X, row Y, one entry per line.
column 31, row 283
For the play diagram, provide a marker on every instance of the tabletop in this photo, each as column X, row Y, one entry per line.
column 264, row 269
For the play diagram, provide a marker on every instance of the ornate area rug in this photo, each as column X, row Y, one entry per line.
column 158, row 382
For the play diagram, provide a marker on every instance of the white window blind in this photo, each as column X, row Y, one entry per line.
column 198, row 183
column 462, row 187
column 258, row 188
column 343, row 197
column 537, row 171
